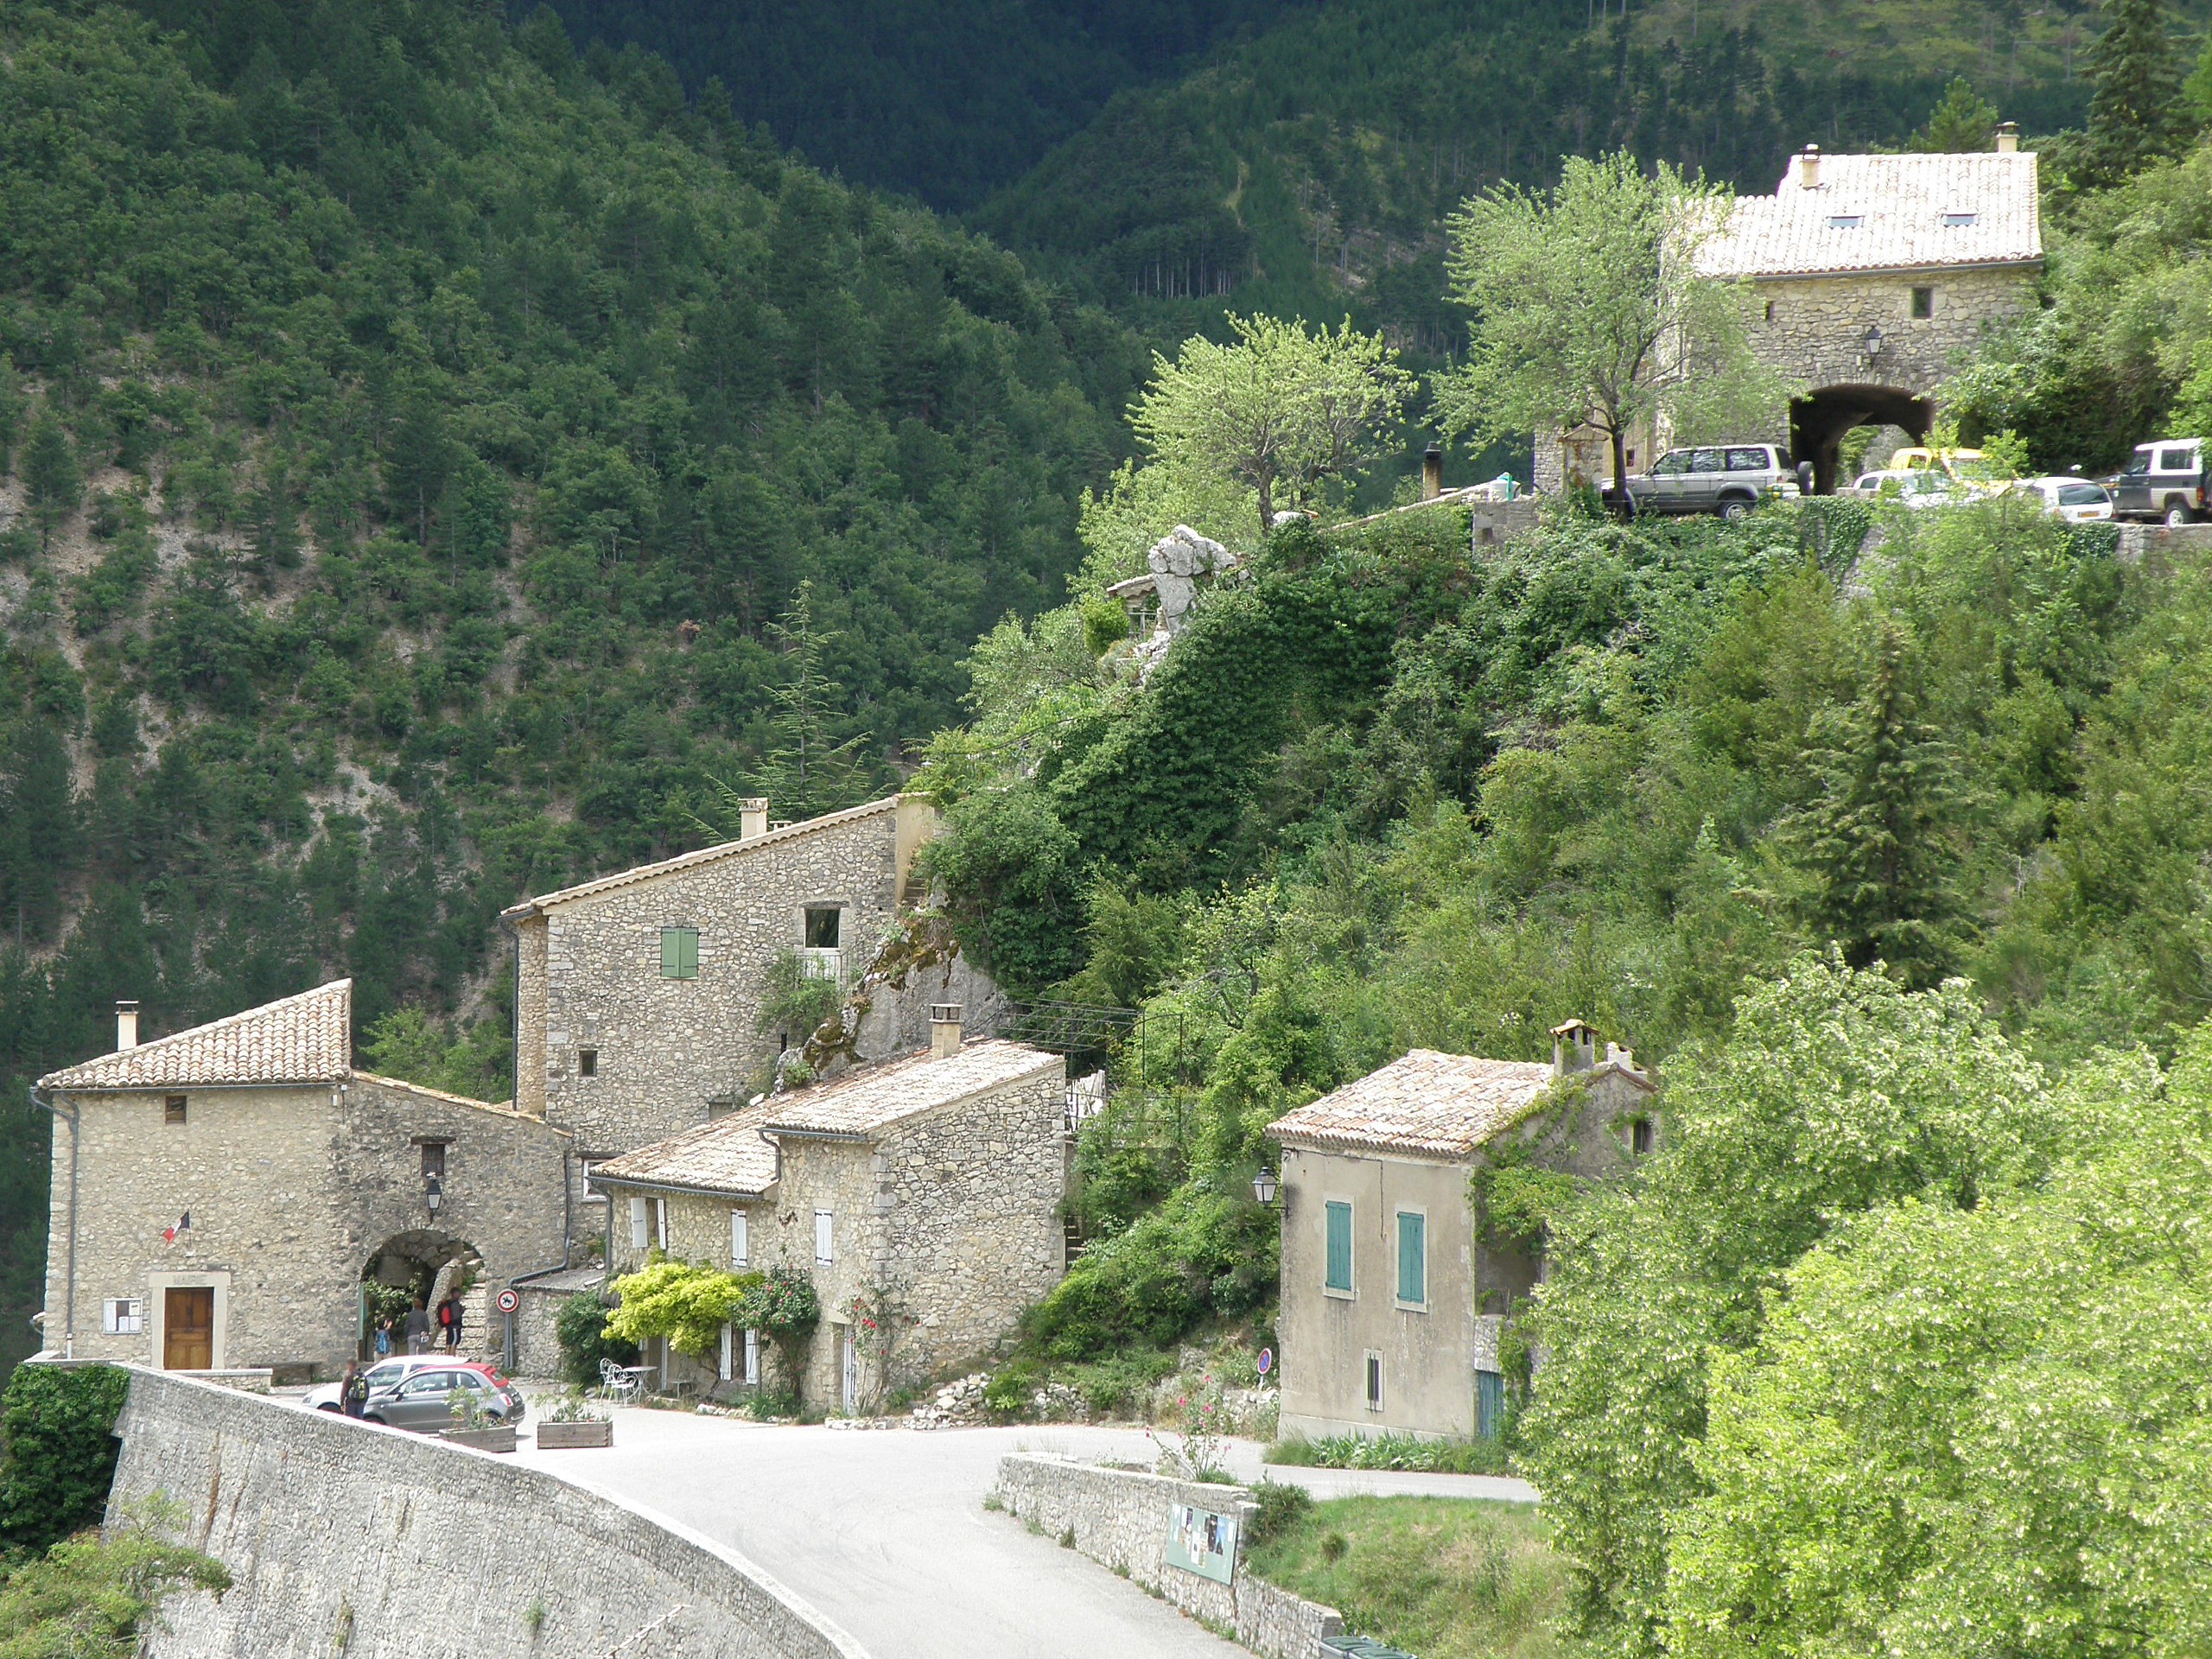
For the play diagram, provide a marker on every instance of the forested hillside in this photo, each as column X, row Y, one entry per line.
column 414, row 443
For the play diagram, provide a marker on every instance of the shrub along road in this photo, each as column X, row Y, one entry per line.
column 887, row 1534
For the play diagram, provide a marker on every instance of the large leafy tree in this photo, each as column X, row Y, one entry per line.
column 1588, row 309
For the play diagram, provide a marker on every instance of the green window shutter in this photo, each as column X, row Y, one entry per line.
column 679, row 953
column 1340, row 1247
column 1412, row 1257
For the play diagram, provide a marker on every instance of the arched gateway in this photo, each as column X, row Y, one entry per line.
column 1819, row 418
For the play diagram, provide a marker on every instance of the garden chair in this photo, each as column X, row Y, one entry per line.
column 619, row 1383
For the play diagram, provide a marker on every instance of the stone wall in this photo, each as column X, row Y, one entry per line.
column 1119, row 1519
column 343, row 1537
column 1817, row 330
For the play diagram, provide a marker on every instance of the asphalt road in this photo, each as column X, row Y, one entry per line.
column 885, row 1532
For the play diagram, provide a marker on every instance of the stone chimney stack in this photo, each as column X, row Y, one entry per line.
column 1808, row 167
column 1432, row 472
column 2008, row 138
column 126, row 1026
column 945, row 1030
column 752, row 817
column 1574, row 1048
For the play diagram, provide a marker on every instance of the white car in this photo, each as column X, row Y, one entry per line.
column 2077, row 500
column 1874, row 486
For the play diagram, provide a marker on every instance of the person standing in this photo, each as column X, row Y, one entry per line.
column 418, row 1329
column 449, row 1323
column 383, row 1338
column 353, row 1390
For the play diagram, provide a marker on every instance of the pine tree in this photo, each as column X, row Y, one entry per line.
column 1961, row 123
column 2136, row 113
column 38, row 840
column 52, row 483
column 417, row 463
column 1874, row 838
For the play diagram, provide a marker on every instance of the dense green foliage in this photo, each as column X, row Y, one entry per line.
column 57, row 1456
column 581, row 1327
column 95, row 1598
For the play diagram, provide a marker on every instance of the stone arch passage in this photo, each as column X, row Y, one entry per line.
column 419, row 1263
column 1819, row 418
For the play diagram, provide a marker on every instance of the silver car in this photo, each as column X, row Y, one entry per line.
column 422, row 1401
column 384, row 1375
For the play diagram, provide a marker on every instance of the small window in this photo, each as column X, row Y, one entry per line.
column 1639, row 1137
column 1674, row 461
column 2081, row 495
column 120, row 1316
column 639, row 1237
column 1709, row 461
column 434, row 1159
column 822, row 929
column 1844, row 221
column 1956, row 219
column 1374, row 1381
column 1923, row 302
column 586, row 1062
column 2176, row 460
column 741, row 1239
column 825, row 1241
column 1338, row 1274
column 1769, row 311
column 1413, row 1258
column 1750, row 461
column 172, row 1109
column 679, row 953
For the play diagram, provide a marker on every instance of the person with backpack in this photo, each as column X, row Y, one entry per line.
column 449, row 1323
column 353, row 1390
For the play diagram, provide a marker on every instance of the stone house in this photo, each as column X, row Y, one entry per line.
column 1871, row 277
column 920, row 1193
column 219, row 1195
column 1393, row 1295
column 639, row 995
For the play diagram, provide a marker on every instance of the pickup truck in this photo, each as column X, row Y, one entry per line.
column 2165, row 481
column 1727, row 479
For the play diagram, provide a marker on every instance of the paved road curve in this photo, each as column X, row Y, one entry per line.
column 887, row 1534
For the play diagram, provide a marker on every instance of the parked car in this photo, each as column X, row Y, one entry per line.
column 2077, row 500
column 2165, row 481
column 384, row 1374
column 1727, row 479
column 422, row 1400
column 1929, row 488
column 1873, row 485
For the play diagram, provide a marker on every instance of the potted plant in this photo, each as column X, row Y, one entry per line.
column 569, row 1423
column 472, row 1427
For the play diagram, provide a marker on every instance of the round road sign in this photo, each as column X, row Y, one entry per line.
column 509, row 1301
column 1266, row 1361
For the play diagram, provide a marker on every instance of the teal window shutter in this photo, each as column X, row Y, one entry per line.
column 1490, row 1404
column 1412, row 1257
column 1339, row 1275
column 679, row 953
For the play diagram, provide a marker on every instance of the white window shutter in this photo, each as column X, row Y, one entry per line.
column 660, row 1212
column 752, row 1357
column 638, row 1238
column 824, row 1237
column 740, row 1244
column 725, row 1365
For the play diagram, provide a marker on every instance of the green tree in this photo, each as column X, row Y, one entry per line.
column 1588, row 309
column 57, row 1451
column 808, row 771
column 52, row 482
column 1961, row 122
column 1276, row 410
column 38, row 829
column 95, row 1598
column 417, row 461
column 2136, row 113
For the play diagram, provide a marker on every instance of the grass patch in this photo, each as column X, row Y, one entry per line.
column 1445, row 1578
column 1393, row 1451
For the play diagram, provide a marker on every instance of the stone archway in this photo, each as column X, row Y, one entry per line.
column 1819, row 418
column 420, row 1262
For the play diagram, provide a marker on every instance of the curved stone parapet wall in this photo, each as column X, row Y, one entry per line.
column 346, row 1539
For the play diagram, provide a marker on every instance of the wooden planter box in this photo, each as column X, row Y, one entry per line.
column 559, row 1437
column 501, row 1438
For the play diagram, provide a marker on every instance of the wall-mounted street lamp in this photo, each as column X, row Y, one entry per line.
column 434, row 1194
column 1263, row 1185
column 1873, row 340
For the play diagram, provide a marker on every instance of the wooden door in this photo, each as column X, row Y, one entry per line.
column 189, row 1330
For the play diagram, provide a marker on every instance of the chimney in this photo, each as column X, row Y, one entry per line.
column 1432, row 472
column 945, row 1030
column 2008, row 138
column 1808, row 167
column 752, row 817
column 126, row 1026
column 1574, row 1048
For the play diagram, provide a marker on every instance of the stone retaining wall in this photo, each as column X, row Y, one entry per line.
column 1119, row 1519
column 349, row 1538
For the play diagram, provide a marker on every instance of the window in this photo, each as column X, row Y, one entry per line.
column 1957, row 220
column 434, row 1159
column 1413, row 1258
column 1674, row 461
column 679, row 953
column 1923, row 302
column 2176, row 460
column 172, row 1109
column 120, row 1316
column 1374, row 1380
column 1769, row 311
column 639, row 1236
column 1751, row 460
column 1844, row 221
column 2081, row 495
column 824, row 1237
column 586, row 1062
column 822, row 929
column 1708, row 461
column 740, row 1243
column 1339, row 1277
column 1639, row 1137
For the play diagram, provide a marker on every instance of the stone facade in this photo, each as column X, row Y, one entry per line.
column 1119, row 1519
column 345, row 1538
column 291, row 1192
column 590, row 977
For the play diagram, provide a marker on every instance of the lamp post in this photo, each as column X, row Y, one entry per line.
column 1263, row 1185
column 434, row 1194
column 1873, row 342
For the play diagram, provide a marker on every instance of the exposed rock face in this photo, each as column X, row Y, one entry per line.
column 1176, row 561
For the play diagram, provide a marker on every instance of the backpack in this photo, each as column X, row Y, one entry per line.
column 357, row 1389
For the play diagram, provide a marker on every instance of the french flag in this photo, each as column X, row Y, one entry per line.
column 183, row 1226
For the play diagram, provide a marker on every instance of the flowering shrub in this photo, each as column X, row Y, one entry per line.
column 688, row 1305
column 1199, row 1453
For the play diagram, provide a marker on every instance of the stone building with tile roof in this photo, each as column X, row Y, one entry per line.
column 921, row 1193
column 1393, row 1290
column 1871, row 277
column 220, row 1193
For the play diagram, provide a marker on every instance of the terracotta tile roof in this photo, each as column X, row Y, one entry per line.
column 1436, row 1105
column 303, row 1038
column 870, row 1097
column 683, row 862
column 1901, row 204
column 726, row 1156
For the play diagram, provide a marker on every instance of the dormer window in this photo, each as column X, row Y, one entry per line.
column 1960, row 219
column 1844, row 221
